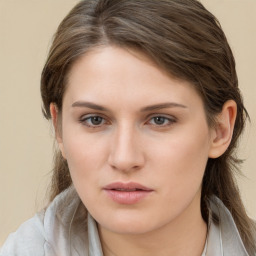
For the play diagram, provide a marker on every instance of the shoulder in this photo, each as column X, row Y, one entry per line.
column 226, row 232
column 47, row 233
column 28, row 239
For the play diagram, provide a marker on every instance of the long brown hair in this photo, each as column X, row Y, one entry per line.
column 183, row 38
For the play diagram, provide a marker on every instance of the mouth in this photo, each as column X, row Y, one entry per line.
column 127, row 193
column 127, row 190
column 131, row 186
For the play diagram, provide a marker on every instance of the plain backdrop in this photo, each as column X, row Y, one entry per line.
column 26, row 139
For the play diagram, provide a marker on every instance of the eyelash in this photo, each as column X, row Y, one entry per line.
column 85, row 119
column 167, row 121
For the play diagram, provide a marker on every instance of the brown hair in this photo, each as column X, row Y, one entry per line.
column 182, row 37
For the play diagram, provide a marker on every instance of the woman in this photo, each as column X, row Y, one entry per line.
column 147, row 112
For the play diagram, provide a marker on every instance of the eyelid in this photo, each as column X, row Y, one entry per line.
column 170, row 118
column 105, row 120
column 167, row 116
column 86, row 117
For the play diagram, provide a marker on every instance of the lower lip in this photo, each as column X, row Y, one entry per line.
column 127, row 197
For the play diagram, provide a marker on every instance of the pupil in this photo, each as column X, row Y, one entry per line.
column 96, row 120
column 159, row 120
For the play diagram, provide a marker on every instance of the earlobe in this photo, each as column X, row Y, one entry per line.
column 223, row 130
column 56, row 125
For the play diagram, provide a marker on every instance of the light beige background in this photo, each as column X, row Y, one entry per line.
column 26, row 29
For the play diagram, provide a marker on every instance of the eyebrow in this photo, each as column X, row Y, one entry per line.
column 87, row 104
column 94, row 106
column 162, row 106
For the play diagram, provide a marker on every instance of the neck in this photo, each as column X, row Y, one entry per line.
column 184, row 236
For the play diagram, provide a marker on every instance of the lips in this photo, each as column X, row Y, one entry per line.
column 131, row 186
column 127, row 193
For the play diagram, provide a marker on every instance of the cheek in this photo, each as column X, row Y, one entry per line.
column 184, row 149
column 79, row 145
column 85, row 158
column 84, row 153
column 182, row 160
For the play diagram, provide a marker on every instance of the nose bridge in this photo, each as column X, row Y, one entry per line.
column 126, row 153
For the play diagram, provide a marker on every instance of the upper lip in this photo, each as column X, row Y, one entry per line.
column 130, row 186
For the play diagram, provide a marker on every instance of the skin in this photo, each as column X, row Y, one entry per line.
column 165, row 149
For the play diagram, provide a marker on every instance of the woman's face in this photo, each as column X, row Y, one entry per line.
column 136, row 141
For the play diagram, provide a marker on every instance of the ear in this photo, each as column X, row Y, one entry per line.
column 56, row 125
column 223, row 130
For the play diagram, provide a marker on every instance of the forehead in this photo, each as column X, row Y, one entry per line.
column 111, row 73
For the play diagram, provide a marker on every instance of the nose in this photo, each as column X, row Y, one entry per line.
column 126, row 152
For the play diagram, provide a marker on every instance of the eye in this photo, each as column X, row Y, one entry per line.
column 161, row 121
column 93, row 121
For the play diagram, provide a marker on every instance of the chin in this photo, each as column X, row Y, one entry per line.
column 129, row 228
column 129, row 223
column 123, row 222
